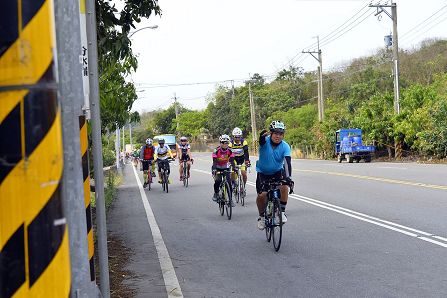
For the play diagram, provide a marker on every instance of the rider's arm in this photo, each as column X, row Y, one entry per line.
column 262, row 137
column 246, row 154
column 155, row 153
column 189, row 152
column 288, row 166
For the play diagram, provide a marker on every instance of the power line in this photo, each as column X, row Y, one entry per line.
column 404, row 36
column 420, row 33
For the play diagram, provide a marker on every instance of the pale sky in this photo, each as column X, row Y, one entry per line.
column 202, row 41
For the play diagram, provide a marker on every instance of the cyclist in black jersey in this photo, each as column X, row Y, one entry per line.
column 184, row 154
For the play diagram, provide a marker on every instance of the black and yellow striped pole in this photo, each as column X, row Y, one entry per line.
column 86, row 179
column 34, row 252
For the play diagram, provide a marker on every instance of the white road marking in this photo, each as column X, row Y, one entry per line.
column 370, row 219
column 394, row 168
column 170, row 278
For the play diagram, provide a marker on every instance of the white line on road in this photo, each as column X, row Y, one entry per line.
column 418, row 234
column 370, row 219
column 170, row 278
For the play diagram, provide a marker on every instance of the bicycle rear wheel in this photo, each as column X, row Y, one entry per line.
column 185, row 174
column 227, row 195
column 277, row 225
column 166, row 179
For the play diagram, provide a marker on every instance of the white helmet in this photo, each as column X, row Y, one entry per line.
column 183, row 139
column 149, row 141
column 237, row 132
column 224, row 138
column 277, row 126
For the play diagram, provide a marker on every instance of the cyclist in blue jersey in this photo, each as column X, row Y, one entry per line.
column 274, row 163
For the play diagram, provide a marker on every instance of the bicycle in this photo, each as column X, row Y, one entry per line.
column 224, row 200
column 185, row 172
column 272, row 211
column 239, row 189
column 149, row 174
column 164, row 174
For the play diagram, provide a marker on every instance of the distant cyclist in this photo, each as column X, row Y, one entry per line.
column 223, row 159
column 239, row 146
column 135, row 156
column 274, row 163
column 147, row 153
column 161, row 156
column 184, row 154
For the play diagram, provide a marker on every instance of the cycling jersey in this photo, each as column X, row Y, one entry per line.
column 240, row 150
column 162, row 152
column 184, row 150
column 222, row 158
column 147, row 152
column 271, row 158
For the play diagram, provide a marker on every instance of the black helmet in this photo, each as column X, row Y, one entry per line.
column 161, row 141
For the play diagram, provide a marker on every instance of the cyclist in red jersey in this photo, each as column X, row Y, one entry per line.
column 223, row 159
column 147, row 158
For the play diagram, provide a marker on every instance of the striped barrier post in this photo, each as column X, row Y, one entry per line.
column 34, row 250
column 86, row 179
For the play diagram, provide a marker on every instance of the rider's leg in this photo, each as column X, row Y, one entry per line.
column 181, row 170
column 284, row 189
column 159, row 172
column 217, row 181
column 188, row 166
column 244, row 176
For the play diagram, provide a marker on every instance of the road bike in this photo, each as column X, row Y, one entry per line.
column 163, row 167
column 272, row 212
column 185, row 172
column 224, row 200
column 239, row 186
column 149, row 174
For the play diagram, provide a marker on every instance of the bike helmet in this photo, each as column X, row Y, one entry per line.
column 161, row 141
column 183, row 139
column 224, row 138
column 277, row 126
column 237, row 132
column 149, row 141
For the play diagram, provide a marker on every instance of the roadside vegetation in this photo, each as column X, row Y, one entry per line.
column 358, row 94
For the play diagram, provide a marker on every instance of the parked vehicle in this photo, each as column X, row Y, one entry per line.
column 349, row 146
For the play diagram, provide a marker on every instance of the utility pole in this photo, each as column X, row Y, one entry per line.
column 176, row 112
column 320, row 79
column 101, row 225
column 72, row 101
column 117, row 146
column 130, row 136
column 253, row 117
column 393, row 17
column 124, row 140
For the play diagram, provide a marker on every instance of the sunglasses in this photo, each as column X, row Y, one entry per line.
column 224, row 142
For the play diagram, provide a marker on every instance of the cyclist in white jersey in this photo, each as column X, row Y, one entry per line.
column 161, row 156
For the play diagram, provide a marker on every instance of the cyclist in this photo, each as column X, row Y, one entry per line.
column 135, row 156
column 184, row 154
column 274, row 163
column 223, row 158
column 161, row 156
column 147, row 157
column 239, row 147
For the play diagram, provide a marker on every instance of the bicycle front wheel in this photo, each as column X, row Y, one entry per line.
column 277, row 226
column 166, row 179
column 227, row 195
column 242, row 191
column 268, row 222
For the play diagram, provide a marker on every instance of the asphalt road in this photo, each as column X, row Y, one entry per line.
column 353, row 230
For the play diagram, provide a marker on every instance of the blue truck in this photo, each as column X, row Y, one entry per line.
column 349, row 146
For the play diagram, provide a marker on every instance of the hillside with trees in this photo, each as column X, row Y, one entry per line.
column 359, row 94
